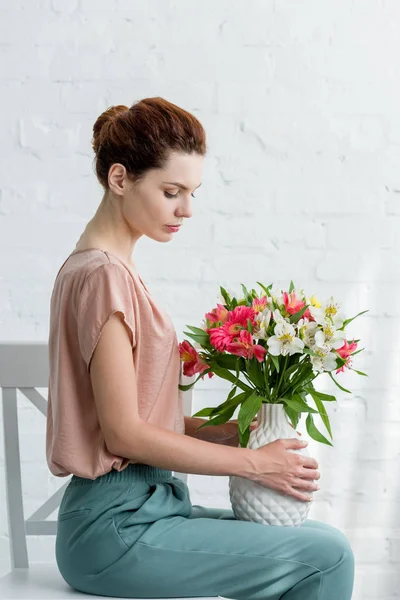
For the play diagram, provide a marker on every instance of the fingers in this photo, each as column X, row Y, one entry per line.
column 294, row 443
column 304, row 484
column 308, row 474
column 298, row 495
column 309, row 463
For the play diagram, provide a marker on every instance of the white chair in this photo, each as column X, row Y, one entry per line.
column 24, row 366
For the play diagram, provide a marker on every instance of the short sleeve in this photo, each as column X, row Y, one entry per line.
column 107, row 290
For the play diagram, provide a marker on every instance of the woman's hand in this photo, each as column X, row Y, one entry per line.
column 286, row 472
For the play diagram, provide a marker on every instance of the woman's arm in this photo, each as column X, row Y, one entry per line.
column 113, row 378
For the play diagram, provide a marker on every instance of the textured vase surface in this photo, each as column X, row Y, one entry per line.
column 253, row 502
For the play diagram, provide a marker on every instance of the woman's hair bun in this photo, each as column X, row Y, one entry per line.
column 141, row 137
column 103, row 123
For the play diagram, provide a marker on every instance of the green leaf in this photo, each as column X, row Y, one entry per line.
column 322, row 411
column 248, row 411
column 359, row 372
column 308, row 351
column 254, row 372
column 357, row 351
column 336, row 383
column 296, row 403
column 232, row 392
column 266, row 289
column 228, row 400
column 185, row 388
column 292, row 414
column 203, row 339
column 227, row 361
column 223, row 417
column 340, row 362
column 291, row 287
column 275, row 360
column 244, row 438
column 324, row 397
column 232, row 402
column 225, row 296
column 288, row 372
column 314, row 433
column 204, row 412
column 225, row 374
column 247, row 295
column 197, row 330
column 238, row 363
column 347, row 321
column 249, row 326
column 297, row 316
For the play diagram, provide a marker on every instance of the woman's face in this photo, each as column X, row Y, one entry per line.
column 157, row 200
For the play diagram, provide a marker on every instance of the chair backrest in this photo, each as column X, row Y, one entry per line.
column 24, row 366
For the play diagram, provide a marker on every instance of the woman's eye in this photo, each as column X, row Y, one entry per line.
column 168, row 195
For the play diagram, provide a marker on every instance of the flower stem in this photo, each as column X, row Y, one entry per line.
column 281, row 377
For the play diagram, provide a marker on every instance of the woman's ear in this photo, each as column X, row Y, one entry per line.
column 117, row 178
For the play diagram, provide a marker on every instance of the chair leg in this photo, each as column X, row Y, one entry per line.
column 15, row 509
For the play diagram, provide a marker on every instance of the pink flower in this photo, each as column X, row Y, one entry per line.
column 237, row 320
column 244, row 346
column 292, row 303
column 345, row 352
column 219, row 338
column 259, row 304
column 187, row 352
column 218, row 315
column 235, row 323
column 192, row 363
column 240, row 314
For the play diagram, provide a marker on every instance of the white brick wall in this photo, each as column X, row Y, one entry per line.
column 301, row 105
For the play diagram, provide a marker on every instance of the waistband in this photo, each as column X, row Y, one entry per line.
column 133, row 472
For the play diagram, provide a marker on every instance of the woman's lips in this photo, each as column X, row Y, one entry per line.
column 173, row 228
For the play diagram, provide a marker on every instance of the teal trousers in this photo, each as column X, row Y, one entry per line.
column 136, row 534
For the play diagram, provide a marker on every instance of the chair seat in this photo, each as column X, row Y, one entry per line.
column 43, row 581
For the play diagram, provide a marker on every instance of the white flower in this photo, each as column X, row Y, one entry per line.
column 328, row 312
column 276, row 294
column 325, row 361
column 264, row 318
column 260, row 334
column 307, row 330
column 278, row 317
column 329, row 335
column 204, row 325
column 284, row 341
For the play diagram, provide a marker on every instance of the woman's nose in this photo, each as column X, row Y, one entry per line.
column 185, row 210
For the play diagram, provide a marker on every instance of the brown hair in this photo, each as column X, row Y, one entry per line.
column 141, row 137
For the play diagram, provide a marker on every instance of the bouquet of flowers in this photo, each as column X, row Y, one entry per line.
column 271, row 346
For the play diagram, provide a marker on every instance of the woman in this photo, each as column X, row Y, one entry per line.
column 126, row 526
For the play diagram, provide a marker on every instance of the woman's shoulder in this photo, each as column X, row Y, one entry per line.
column 85, row 263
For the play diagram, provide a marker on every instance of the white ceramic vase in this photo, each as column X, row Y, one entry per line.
column 253, row 502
